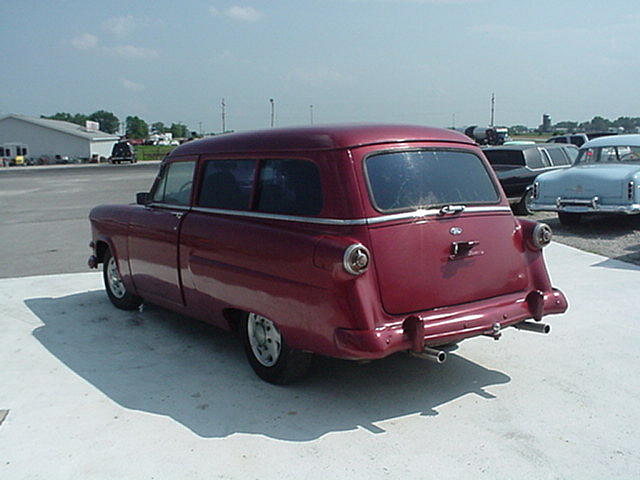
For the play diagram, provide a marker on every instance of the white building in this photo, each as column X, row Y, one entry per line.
column 55, row 137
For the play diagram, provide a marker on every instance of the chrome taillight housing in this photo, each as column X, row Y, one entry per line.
column 356, row 259
column 541, row 235
column 536, row 190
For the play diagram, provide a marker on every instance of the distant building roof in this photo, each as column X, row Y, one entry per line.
column 64, row 127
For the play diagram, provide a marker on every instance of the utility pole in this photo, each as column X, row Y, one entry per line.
column 200, row 128
column 454, row 121
column 273, row 112
column 493, row 107
column 311, row 113
column 224, row 116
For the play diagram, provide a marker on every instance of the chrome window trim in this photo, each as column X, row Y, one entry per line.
column 168, row 205
column 338, row 221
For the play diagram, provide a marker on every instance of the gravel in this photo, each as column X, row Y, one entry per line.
column 615, row 236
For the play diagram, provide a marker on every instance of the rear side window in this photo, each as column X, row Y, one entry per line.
column 505, row 157
column 174, row 186
column 227, row 184
column 561, row 140
column 289, row 187
column 535, row 158
column 557, row 157
column 414, row 179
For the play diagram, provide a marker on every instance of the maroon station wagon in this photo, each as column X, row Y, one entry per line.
column 348, row 241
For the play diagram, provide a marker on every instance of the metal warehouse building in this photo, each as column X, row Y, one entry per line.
column 54, row 137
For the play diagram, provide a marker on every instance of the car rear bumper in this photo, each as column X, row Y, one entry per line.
column 585, row 206
column 448, row 325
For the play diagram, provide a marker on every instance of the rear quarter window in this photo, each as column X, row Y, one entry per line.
column 401, row 181
column 289, row 187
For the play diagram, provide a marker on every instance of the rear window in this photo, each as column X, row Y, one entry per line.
column 505, row 157
column 625, row 154
column 428, row 178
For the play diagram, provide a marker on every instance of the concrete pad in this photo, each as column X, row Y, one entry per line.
column 94, row 392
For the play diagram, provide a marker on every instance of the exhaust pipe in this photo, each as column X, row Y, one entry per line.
column 533, row 327
column 431, row 354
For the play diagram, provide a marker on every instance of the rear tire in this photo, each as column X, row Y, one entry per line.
column 116, row 290
column 568, row 219
column 269, row 355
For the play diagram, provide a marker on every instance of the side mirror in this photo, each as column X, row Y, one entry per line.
column 142, row 198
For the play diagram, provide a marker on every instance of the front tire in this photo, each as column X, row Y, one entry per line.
column 522, row 207
column 569, row 219
column 269, row 355
column 116, row 290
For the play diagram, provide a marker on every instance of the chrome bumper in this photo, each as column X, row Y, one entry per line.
column 584, row 205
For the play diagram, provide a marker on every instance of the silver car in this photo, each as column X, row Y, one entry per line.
column 605, row 178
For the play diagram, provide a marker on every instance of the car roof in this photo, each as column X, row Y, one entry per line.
column 327, row 137
column 613, row 141
column 527, row 146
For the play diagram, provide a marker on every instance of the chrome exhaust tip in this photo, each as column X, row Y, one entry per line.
column 533, row 327
column 431, row 354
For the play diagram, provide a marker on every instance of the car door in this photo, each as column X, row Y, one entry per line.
column 154, row 233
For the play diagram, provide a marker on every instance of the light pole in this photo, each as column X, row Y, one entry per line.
column 311, row 113
column 273, row 112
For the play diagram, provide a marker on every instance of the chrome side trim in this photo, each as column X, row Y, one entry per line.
column 338, row 221
column 168, row 205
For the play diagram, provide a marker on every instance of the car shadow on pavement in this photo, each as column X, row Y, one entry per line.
column 161, row 363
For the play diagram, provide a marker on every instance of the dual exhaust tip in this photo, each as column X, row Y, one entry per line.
column 440, row 356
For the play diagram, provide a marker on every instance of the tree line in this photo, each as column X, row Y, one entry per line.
column 596, row 124
column 135, row 127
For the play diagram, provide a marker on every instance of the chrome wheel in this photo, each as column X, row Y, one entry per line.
column 264, row 339
column 115, row 282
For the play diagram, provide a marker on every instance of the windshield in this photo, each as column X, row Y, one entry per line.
column 620, row 154
column 428, row 178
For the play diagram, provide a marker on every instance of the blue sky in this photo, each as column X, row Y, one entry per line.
column 406, row 61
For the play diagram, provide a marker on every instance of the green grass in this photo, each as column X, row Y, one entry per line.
column 152, row 152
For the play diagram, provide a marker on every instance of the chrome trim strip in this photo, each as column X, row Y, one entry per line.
column 169, row 205
column 339, row 221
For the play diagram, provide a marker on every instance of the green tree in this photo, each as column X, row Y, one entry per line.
column 571, row 126
column 518, row 129
column 78, row 118
column 137, row 128
column 158, row 127
column 599, row 124
column 108, row 121
column 179, row 130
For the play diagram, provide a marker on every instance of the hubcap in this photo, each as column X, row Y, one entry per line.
column 115, row 282
column 265, row 339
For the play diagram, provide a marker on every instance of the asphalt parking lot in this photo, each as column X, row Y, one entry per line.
column 91, row 392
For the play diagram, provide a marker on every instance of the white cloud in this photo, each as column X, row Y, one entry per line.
column 86, row 41
column 245, row 14
column 242, row 14
column 119, row 26
column 131, row 51
column 133, row 86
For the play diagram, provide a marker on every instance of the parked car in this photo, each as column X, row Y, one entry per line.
column 578, row 139
column 604, row 179
column 517, row 166
column 353, row 242
column 122, row 152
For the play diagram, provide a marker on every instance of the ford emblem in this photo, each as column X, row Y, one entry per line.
column 455, row 230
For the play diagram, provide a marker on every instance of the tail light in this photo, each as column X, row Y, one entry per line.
column 356, row 259
column 630, row 188
column 541, row 235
